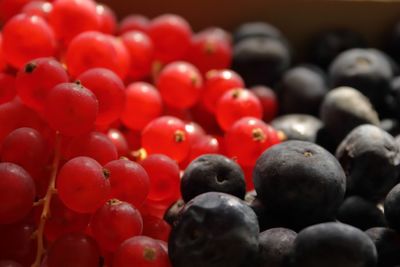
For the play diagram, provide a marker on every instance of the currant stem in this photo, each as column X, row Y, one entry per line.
column 46, row 201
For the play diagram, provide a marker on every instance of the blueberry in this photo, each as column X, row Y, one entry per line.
column 366, row 70
column 261, row 60
column 302, row 90
column 392, row 208
column 276, row 246
column 360, row 213
column 387, row 243
column 255, row 29
column 325, row 46
column 265, row 220
column 300, row 183
column 215, row 230
column 345, row 108
column 333, row 245
column 172, row 213
column 212, row 172
column 298, row 126
column 370, row 158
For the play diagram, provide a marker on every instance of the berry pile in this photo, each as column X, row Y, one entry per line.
column 142, row 143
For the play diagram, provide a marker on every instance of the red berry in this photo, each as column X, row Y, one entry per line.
column 25, row 38
column 171, row 36
column 74, row 249
column 35, row 81
column 217, row 83
column 180, row 85
column 109, row 90
column 115, row 222
column 247, row 139
column 38, row 8
column 27, row 148
column 166, row 135
column 141, row 251
column 210, row 50
column 156, row 228
column 236, row 104
column 268, row 101
column 63, row 220
column 119, row 141
column 141, row 51
column 129, row 181
column 96, row 50
column 108, row 20
column 134, row 23
column 17, row 193
column 71, row 109
column 95, row 145
column 164, row 179
column 16, row 242
column 82, row 185
column 72, row 17
column 14, row 115
column 143, row 104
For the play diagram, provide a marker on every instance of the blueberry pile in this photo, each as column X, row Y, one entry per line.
column 142, row 143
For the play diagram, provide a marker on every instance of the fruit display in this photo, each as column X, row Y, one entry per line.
column 144, row 141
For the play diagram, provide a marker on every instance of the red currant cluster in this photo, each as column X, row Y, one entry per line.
column 97, row 121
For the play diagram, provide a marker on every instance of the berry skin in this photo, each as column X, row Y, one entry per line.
column 26, row 38
column 391, row 207
column 72, row 17
column 164, row 179
column 27, row 148
column 361, row 213
column 210, row 50
column 216, row 84
column 82, row 185
column 95, row 145
column 35, row 81
column 141, row 51
column 236, row 104
column 166, row 135
column 71, row 109
column 115, row 222
column 141, row 251
column 129, row 181
column 134, row 22
column 387, row 243
column 214, row 229
column 74, row 250
column 38, row 8
column 180, row 85
column 371, row 159
column 247, row 139
column 17, row 193
column 96, row 50
column 171, row 36
column 143, row 104
column 212, row 172
column 300, row 183
column 108, row 20
column 333, row 244
column 109, row 90
column 7, row 85
column 276, row 246
column 269, row 101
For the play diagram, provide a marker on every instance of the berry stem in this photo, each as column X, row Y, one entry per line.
column 46, row 201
